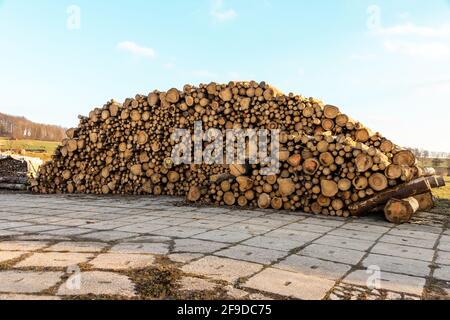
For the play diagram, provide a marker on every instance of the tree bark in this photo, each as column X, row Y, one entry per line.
column 401, row 211
column 402, row 191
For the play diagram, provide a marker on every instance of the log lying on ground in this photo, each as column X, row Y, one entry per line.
column 426, row 201
column 14, row 180
column 403, row 191
column 436, row 181
column 401, row 211
column 16, row 187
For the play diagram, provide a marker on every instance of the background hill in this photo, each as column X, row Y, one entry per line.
column 21, row 128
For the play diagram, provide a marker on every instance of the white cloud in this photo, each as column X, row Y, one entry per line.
column 137, row 50
column 220, row 14
column 410, row 29
column 415, row 40
column 418, row 49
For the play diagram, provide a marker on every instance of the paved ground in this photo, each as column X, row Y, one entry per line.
column 83, row 247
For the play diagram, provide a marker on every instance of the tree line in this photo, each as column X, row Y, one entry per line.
column 14, row 127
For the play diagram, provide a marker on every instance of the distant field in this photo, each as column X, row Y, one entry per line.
column 38, row 149
column 443, row 163
column 443, row 193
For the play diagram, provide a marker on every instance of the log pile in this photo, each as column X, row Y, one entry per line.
column 13, row 174
column 330, row 163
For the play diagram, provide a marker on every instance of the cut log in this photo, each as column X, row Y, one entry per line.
column 286, row 187
column 426, row 201
column 386, row 146
column 326, row 159
column 436, row 181
column 393, row 171
column 427, row 172
column 238, row 170
column 402, row 191
column 405, row 158
column 329, row 188
column 401, row 211
column 378, row 182
column 264, row 201
column 344, row 184
column 14, row 180
column 173, row 96
column 194, row 194
column 342, row 120
column 229, row 198
column 295, row 160
column 360, row 183
column 13, row 186
column 277, row 203
column 362, row 135
column 245, row 183
column 310, row 166
column 363, row 162
column 331, row 112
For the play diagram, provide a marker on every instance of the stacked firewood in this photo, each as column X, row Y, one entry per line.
column 13, row 173
column 330, row 163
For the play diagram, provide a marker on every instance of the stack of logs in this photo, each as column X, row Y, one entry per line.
column 13, row 174
column 330, row 163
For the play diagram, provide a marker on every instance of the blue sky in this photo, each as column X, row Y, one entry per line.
column 385, row 63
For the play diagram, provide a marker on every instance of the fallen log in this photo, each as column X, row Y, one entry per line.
column 426, row 201
column 10, row 186
column 401, row 211
column 426, row 172
column 415, row 187
column 14, row 180
column 436, row 181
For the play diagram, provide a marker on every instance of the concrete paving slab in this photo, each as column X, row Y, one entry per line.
column 325, row 252
column 252, row 254
column 54, row 260
column 345, row 243
column 197, row 246
column 443, row 257
column 290, row 284
column 196, row 284
column 423, row 235
column 98, row 283
column 82, row 247
column 223, row 236
column 273, row 243
column 398, row 265
column 403, row 251
column 222, row 268
column 388, row 281
column 27, row 281
column 121, row 261
column 22, row 245
column 141, row 248
column 314, row 267
column 108, row 235
column 427, row 244
column 10, row 255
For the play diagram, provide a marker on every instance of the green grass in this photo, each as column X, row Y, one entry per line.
column 443, row 163
column 444, row 192
column 33, row 147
